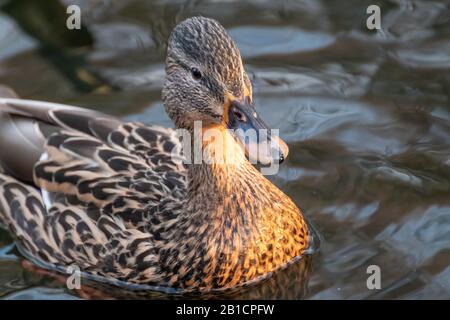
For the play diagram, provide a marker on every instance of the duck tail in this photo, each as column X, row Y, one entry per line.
column 11, row 190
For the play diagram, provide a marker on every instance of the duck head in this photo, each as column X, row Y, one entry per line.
column 206, row 81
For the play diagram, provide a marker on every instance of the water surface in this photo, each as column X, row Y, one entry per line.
column 366, row 115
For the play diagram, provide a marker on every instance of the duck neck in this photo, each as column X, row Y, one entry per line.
column 236, row 219
column 221, row 171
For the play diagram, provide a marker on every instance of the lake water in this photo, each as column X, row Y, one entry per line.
column 366, row 115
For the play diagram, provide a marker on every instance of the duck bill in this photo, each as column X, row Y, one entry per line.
column 261, row 144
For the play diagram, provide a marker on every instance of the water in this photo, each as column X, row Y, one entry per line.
column 366, row 115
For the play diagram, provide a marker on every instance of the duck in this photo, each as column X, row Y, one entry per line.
column 124, row 201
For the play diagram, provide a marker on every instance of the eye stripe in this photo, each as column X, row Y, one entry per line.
column 182, row 64
column 209, row 82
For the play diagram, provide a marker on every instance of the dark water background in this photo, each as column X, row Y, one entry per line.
column 366, row 115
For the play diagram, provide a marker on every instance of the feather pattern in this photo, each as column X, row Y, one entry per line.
column 113, row 200
column 104, row 182
column 116, row 199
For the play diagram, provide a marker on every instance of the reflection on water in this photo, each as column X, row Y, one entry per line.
column 366, row 116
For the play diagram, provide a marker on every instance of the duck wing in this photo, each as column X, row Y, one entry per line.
column 80, row 187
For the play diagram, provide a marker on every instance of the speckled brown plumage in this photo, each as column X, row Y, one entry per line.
column 114, row 199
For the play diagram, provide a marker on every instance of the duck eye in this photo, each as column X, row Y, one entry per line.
column 196, row 74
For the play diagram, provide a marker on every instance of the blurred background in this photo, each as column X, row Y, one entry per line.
column 366, row 114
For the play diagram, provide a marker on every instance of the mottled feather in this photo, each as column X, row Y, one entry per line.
column 80, row 187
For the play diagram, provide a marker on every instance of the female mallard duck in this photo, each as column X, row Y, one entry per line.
column 79, row 187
